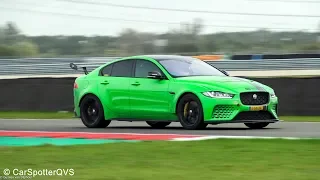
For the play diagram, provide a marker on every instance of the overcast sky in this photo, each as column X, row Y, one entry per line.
column 100, row 19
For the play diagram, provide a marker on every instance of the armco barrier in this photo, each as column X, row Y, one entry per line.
column 60, row 66
column 297, row 96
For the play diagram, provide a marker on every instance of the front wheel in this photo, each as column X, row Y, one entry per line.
column 157, row 124
column 190, row 112
column 256, row 125
column 92, row 114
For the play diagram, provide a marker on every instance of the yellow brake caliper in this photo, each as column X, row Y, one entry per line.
column 185, row 109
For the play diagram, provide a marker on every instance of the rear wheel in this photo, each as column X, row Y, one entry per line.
column 92, row 114
column 190, row 112
column 256, row 125
column 157, row 124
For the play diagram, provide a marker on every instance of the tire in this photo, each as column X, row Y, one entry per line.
column 190, row 112
column 157, row 124
column 256, row 125
column 92, row 114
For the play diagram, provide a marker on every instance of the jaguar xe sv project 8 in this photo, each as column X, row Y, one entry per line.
column 160, row 89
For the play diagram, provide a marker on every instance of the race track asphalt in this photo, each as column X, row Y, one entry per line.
column 280, row 129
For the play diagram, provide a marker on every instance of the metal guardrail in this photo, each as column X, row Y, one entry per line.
column 60, row 66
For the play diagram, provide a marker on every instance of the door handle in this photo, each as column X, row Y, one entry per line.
column 135, row 84
column 104, row 82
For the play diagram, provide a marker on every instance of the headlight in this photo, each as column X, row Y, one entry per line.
column 273, row 95
column 218, row 94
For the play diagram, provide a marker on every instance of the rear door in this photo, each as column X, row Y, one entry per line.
column 114, row 86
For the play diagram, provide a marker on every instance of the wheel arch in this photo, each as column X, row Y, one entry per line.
column 100, row 120
column 108, row 114
column 87, row 94
column 180, row 97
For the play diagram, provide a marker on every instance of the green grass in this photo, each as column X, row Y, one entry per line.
column 222, row 159
column 69, row 115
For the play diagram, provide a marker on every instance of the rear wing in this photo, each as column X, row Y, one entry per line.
column 75, row 67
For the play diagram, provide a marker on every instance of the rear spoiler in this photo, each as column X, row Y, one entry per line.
column 75, row 67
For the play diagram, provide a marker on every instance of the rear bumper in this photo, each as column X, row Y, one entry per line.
column 76, row 112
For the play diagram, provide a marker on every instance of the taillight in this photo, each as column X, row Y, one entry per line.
column 75, row 85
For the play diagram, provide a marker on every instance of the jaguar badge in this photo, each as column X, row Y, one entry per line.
column 254, row 96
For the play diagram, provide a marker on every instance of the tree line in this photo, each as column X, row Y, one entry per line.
column 187, row 39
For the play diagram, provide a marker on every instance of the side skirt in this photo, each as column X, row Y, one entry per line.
column 244, row 121
column 139, row 120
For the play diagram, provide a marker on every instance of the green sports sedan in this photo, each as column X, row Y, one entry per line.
column 160, row 89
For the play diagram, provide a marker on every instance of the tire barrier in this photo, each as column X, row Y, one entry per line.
column 257, row 57
column 209, row 57
column 241, row 57
column 290, row 56
column 297, row 96
column 274, row 56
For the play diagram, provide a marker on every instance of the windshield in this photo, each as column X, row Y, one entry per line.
column 188, row 66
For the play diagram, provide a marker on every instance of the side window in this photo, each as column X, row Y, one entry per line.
column 106, row 71
column 143, row 67
column 122, row 68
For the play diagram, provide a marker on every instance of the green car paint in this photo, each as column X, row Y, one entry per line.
column 142, row 98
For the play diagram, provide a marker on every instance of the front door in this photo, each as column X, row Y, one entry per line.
column 114, row 87
column 149, row 98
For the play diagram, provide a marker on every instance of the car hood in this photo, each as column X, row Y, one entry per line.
column 226, row 83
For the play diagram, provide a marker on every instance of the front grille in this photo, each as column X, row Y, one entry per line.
column 254, row 115
column 254, row 98
column 223, row 111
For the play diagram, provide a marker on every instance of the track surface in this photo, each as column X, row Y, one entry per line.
column 280, row 129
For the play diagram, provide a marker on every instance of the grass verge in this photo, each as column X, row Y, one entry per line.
column 69, row 115
column 223, row 159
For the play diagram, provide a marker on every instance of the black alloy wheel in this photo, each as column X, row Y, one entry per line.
column 190, row 112
column 92, row 114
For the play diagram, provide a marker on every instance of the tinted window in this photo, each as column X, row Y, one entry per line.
column 106, row 71
column 122, row 68
column 188, row 66
column 143, row 67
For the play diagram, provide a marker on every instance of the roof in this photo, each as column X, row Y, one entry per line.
column 160, row 57
column 165, row 57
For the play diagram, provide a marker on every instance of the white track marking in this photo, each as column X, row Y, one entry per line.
column 235, row 137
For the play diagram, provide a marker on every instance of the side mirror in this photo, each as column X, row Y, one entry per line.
column 225, row 72
column 154, row 75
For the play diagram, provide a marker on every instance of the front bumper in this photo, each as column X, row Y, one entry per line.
column 233, row 111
